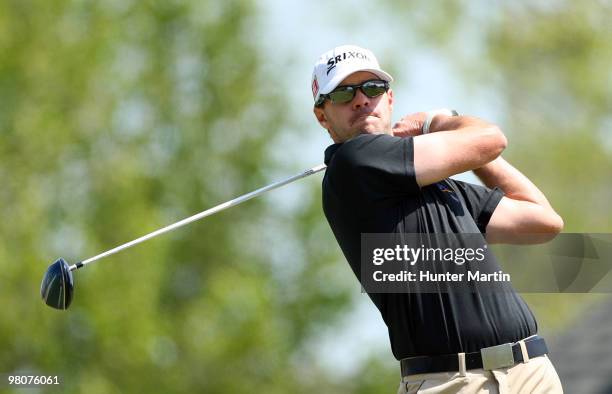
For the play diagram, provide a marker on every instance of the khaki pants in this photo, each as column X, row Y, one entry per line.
column 538, row 375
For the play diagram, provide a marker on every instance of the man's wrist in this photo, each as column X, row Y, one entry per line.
column 432, row 114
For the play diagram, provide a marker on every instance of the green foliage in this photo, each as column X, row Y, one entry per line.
column 554, row 76
column 119, row 118
column 545, row 68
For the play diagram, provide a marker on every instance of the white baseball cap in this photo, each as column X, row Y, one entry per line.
column 335, row 65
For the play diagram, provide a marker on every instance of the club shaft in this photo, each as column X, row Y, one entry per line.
column 201, row 215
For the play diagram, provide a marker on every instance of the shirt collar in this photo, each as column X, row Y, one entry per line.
column 329, row 152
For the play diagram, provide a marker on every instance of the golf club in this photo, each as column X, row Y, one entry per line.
column 57, row 286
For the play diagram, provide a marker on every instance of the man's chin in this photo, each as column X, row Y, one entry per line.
column 377, row 131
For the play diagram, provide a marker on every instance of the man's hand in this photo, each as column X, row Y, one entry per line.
column 410, row 125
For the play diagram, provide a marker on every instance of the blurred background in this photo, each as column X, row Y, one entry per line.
column 118, row 117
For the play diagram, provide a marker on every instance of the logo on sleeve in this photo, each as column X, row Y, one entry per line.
column 444, row 188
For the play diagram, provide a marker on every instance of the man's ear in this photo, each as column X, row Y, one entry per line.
column 390, row 97
column 320, row 115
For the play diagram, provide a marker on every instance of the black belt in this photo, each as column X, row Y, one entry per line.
column 494, row 357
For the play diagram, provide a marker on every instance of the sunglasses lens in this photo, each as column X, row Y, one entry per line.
column 373, row 89
column 342, row 95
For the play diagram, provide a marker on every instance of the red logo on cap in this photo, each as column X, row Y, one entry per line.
column 315, row 87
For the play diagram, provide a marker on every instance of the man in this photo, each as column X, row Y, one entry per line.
column 396, row 180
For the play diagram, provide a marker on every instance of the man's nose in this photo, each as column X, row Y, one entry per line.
column 360, row 100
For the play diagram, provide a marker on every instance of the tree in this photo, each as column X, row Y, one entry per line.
column 120, row 118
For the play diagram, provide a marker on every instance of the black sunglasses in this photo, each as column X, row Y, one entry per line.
column 346, row 93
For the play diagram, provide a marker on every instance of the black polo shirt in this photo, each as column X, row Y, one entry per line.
column 370, row 187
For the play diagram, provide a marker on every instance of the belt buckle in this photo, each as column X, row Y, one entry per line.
column 495, row 357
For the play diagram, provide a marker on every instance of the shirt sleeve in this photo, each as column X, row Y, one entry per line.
column 380, row 165
column 479, row 200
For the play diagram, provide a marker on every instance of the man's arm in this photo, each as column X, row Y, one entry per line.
column 524, row 215
column 455, row 144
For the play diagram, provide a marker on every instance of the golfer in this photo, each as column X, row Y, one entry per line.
column 396, row 180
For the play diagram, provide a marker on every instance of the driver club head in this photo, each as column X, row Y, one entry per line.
column 57, row 285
